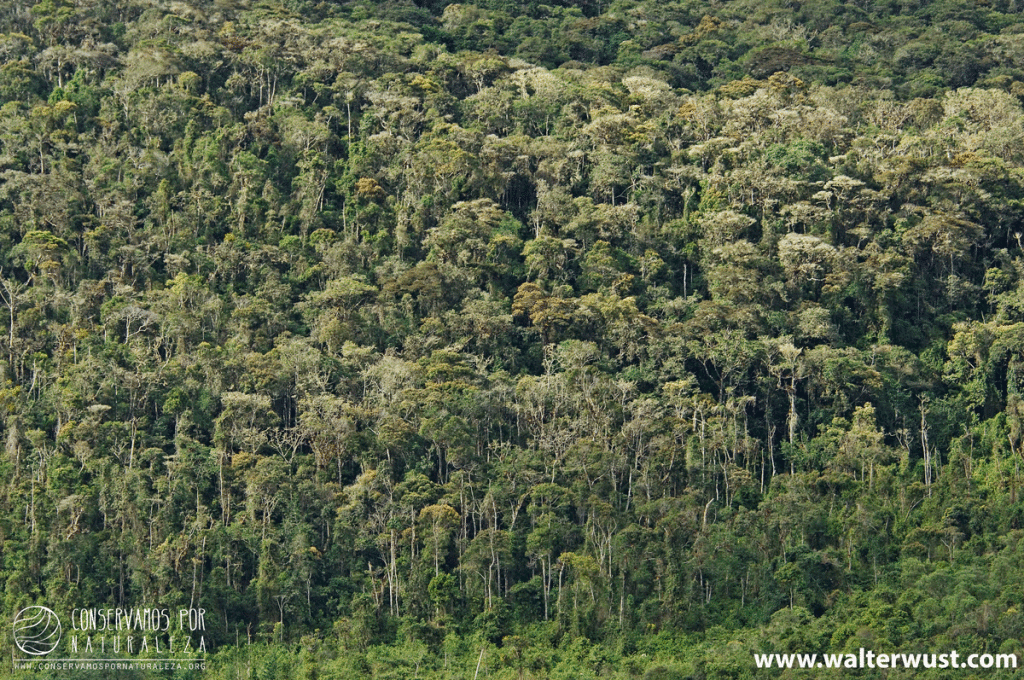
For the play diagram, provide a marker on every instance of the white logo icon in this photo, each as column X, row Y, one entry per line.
column 36, row 630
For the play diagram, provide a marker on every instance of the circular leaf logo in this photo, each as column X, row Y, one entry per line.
column 36, row 630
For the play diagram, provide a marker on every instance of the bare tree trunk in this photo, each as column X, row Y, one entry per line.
column 927, row 450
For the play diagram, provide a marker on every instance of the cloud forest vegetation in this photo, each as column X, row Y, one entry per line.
column 609, row 339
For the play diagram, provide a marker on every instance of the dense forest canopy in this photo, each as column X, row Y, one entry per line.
column 604, row 339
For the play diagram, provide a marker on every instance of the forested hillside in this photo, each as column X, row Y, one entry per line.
column 509, row 340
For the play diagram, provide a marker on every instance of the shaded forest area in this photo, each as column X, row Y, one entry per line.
column 587, row 340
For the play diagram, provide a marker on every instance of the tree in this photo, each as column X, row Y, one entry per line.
column 549, row 313
column 440, row 520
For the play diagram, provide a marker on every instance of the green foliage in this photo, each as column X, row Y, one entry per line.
column 516, row 340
